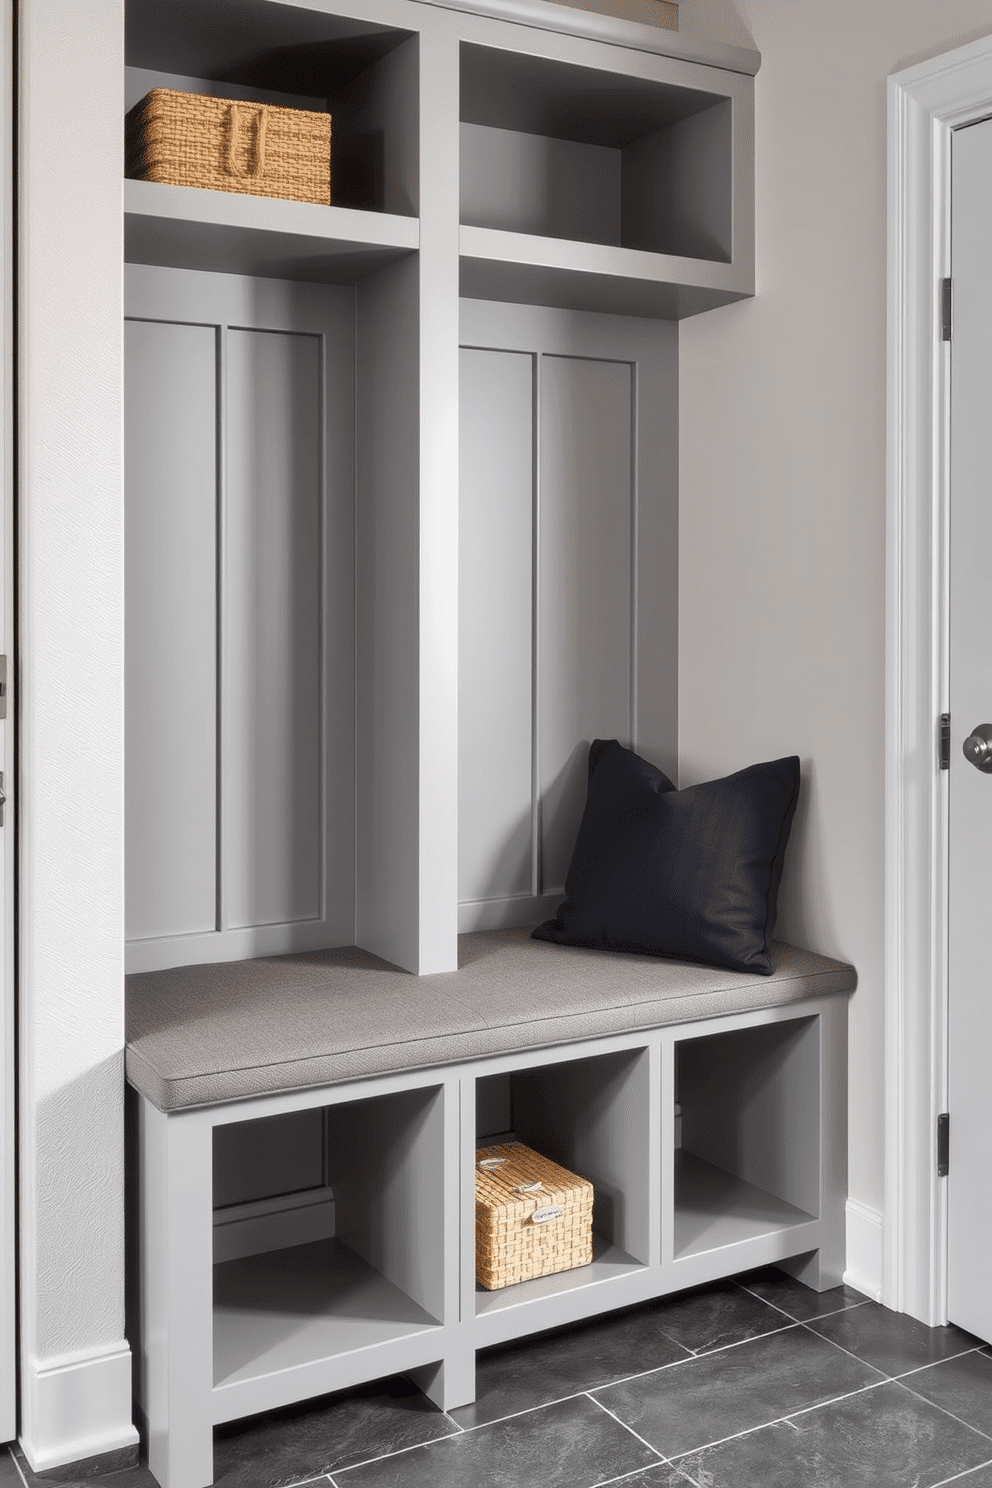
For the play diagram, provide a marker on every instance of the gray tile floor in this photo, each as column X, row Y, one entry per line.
column 753, row 1383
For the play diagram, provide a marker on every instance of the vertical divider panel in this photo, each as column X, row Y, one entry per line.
column 438, row 568
column 655, row 587
column 663, row 1124
column 407, row 861
column 537, row 831
column 467, row 1200
column 222, row 918
column 387, row 801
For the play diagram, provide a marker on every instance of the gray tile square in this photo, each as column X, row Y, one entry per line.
column 881, row 1438
column 891, row 1341
column 321, row 1436
column 712, row 1317
column 573, row 1444
column 535, row 1371
column 796, row 1299
column 95, row 1472
column 703, row 1400
column 962, row 1386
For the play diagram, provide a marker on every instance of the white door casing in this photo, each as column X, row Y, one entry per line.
column 926, row 103
column 8, row 1344
column 969, row 871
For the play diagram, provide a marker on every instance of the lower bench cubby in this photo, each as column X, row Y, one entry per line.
column 592, row 1116
column 362, row 1264
column 748, row 1161
column 375, row 1279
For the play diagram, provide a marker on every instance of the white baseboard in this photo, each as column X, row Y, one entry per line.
column 273, row 1224
column 864, row 1250
column 77, row 1406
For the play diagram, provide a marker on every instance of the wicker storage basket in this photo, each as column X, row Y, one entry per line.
column 532, row 1218
column 187, row 139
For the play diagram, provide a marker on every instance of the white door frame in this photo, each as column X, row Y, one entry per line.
column 926, row 103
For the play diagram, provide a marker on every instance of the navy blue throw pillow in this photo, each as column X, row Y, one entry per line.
column 692, row 874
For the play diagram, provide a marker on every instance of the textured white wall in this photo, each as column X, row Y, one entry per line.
column 782, row 518
column 75, row 1395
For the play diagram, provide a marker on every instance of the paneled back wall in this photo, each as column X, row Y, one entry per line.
column 239, row 476
column 568, row 539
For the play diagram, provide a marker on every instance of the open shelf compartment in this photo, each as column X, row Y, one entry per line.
column 378, row 1279
column 590, row 1116
column 748, row 1164
column 364, row 73
column 551, row 149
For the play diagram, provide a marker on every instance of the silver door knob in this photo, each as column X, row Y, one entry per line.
column 977, row 748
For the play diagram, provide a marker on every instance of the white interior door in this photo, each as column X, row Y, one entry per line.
column 970, row 779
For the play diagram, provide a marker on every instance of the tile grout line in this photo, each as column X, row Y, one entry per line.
column 626, row 1379
column 851, row 1306
column 636, row 1434
column 458, row 1431
column 960, row 1477
column 936, row 1363
column 631, row 1476
column 528, row 1410
column 17, row 1465
column 704, row 1353
column 779, row 1420
column 944, row 1411
column 893, row 1378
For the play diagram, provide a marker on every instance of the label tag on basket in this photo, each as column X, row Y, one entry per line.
column 492, row 1162
column 529, row 1187
column 541, row 1216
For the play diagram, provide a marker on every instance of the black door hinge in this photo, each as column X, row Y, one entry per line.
column 945, row 741
column 943, row 1144
column 945, row 309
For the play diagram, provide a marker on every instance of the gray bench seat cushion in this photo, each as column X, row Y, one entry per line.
column 199, row 1035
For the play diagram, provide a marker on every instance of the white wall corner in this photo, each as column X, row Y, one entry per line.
column 864, row 1250
column 80, row 1406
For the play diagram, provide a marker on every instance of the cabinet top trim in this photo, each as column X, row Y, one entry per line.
column 549, row 15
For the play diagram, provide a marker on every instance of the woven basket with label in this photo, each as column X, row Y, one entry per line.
column 532, row 1217
column 223, row 144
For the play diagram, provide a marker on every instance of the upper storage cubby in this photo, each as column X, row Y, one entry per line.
column 364, row 74
column 569, row 152
column 625, row 188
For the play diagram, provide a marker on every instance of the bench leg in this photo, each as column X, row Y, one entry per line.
column 451, row 1382
column 177, row 1295
column 815, row 1270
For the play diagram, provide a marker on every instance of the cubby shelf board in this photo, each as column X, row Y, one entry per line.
column 183, row 227
column 609, row 1263
column 302, row 48
column 527, row 270
column 714, row 1209
column 286, row 1309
